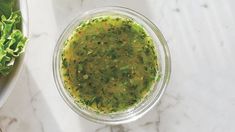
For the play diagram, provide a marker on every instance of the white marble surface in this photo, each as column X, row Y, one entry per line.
column 200, row 96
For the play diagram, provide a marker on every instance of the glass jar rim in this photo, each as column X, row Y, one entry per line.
column 128, row 115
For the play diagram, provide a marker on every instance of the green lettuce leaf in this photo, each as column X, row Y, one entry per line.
column 12, row 42
column 7, row 6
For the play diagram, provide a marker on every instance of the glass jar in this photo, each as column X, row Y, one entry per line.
column 153, row 97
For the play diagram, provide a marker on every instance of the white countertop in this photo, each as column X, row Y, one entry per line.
column 200, row 96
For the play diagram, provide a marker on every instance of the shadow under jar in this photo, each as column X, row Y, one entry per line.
column 111, row 65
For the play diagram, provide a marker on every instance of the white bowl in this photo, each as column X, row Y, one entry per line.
column 8, row 83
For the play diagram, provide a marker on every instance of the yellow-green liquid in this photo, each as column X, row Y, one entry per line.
column 109, row 64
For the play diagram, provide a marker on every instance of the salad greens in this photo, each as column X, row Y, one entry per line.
column 7, row 6
column 12, row 40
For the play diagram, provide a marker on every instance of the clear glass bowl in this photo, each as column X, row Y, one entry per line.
column 153, row 97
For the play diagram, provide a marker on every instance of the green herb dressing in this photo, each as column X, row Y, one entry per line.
column 109, row 64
